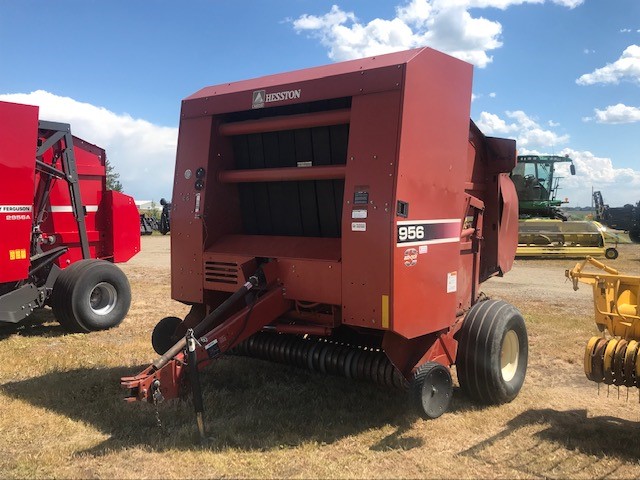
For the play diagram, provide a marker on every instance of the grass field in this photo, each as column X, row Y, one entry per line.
column 63, row 414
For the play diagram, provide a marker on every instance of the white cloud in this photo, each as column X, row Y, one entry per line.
column 587, row 51
column 627, row 67
column 141, row 152
column 551, row 123
column 618, row 185
column 445, row 25
column 625, row 30
column 527, row 132
column 492, row 95
column 615, row 114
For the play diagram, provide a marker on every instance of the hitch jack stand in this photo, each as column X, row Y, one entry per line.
column 194, row 379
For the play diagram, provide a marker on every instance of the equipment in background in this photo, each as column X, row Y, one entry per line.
column 164, row 225
column 147, row 224
column 62, row 229
column 544, row 230
column 341, row 219
column 612, row 358
column 625, row 218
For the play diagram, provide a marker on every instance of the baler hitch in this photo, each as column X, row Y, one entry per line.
column 201, row 344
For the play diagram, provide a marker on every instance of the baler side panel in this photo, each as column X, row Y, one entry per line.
column 18, row 134
column 369, row 183
column 431, row 170
column 194, row 148
column 194, row 151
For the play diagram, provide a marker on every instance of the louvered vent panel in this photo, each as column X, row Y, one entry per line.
column 221, row 272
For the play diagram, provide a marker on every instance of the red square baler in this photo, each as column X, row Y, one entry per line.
column 341, row 218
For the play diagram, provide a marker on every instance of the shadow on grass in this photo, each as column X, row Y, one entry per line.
column 574, row 431
column 41, row 323
column 249, row 405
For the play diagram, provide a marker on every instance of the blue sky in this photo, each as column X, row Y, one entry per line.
column 560, row 76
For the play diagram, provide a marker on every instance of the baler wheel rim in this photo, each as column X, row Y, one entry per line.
column 431, row 390
column 509, row 353
column 103, row 298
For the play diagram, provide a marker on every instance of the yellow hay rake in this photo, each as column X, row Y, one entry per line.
column 612, row 358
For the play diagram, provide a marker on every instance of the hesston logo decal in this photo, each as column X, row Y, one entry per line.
column 260, row 97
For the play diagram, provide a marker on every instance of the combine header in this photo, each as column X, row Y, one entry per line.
column 62, row 230
column 341, row 219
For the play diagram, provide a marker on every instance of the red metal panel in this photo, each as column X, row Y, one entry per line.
column 431, row 170
column 272, row 246
column 123, row 225
column 325, row 72
column 327, row 172
column 194, row 148
column 18, row 134
column 366, row 252
column 311, row 280
column 340, row 82
column 275, row 124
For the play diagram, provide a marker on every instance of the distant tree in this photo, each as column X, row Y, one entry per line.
column 112, row 178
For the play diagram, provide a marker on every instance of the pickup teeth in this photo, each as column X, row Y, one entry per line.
column 324, row 356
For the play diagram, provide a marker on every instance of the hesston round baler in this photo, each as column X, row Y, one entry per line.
column 62, row 229
column 342, row 218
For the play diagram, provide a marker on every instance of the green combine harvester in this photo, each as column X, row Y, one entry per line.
column 544, row 229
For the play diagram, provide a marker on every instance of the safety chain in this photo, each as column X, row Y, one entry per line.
column 157, row 399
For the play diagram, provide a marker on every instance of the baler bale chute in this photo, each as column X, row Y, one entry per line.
column 342, row 218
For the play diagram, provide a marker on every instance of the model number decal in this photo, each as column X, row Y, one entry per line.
column 409, row 233
column 426, row 232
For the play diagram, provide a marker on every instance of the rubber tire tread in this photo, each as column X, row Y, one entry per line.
column 478, row 359
column 70, row 290
column 163, row 331
column 61, row 297
column 415, row 392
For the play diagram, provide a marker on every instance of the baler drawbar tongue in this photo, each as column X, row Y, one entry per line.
column 163, row 378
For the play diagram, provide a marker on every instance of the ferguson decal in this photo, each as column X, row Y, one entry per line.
column 260, row 97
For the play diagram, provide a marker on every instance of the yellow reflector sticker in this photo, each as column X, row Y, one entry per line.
column 385, row 311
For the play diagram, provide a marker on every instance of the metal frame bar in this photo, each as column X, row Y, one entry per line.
column 69, row 172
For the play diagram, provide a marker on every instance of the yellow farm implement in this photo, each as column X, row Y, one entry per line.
column 612, row 358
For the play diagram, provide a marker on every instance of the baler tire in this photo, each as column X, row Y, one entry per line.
column 61, row 297
column 91, row 295
column 492, row 330
column 431, row 390
column 162, row 335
